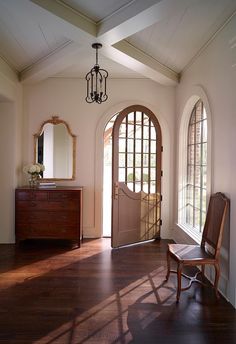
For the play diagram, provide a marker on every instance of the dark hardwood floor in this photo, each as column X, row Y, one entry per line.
column 51, row 293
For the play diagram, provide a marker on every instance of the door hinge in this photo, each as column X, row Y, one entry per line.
column 161, row 173
column 160, row 222
column 162, row 148
column 161, row 198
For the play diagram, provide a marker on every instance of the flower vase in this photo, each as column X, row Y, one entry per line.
column 34, row 180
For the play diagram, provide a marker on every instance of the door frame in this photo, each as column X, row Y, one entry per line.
column 115, row 164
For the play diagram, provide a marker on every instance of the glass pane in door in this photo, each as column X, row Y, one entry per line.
column 137, row 152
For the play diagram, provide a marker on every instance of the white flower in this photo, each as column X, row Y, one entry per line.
column 42, row 167
column 34, row 169
column 26, row 169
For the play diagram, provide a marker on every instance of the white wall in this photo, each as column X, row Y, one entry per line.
column 7, row 158
column 66, row 98
column 214, row 71
column 10, row 148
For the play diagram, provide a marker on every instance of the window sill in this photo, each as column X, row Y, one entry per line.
column 197, row 237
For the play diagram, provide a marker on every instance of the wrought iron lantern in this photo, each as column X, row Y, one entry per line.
column 96, row 81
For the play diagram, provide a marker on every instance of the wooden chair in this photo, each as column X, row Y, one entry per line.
column 209, row 250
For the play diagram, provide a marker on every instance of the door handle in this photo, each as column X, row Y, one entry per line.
column 116, row 190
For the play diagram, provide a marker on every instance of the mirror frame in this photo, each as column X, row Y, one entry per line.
column 55, row 120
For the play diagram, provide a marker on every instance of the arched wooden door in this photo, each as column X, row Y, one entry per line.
column 136, row 176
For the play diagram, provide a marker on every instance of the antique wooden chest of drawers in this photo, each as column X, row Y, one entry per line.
column 54, row 213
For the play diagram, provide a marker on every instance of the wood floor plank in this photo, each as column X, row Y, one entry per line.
column 51, row 293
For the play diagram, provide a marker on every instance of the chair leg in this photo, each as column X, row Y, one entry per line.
column 217, row 276
column 168, row 265
column 179, row 273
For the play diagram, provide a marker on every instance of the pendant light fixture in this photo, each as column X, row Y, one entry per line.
column 96, row 81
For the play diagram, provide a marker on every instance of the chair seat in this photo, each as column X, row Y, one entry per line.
column 186, row 253
column 208, row 252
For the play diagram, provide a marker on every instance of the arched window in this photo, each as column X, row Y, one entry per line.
column 196, row 181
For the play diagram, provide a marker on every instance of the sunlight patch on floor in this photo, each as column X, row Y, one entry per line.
column 51, row 264
column 107, row 322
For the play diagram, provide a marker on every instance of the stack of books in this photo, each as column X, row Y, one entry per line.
column 47, row 185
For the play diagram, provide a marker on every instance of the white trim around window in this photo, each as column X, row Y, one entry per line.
column 197, row 94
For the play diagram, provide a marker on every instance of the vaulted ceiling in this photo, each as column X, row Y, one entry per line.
column 154, row 39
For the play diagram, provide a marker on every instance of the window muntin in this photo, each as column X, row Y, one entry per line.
column 196, row 168
column 138, row 153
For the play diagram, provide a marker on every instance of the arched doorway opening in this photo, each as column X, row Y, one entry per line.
column 107, row 177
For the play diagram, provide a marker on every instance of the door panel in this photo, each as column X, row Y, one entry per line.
column 136, row 176
column 128, row 215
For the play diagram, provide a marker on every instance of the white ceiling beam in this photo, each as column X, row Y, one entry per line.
column 129, row 20
column 69, row 23
column 132, row 58
column 126, row 21
column 52, row 64
column 136, row 17
column 69, row 15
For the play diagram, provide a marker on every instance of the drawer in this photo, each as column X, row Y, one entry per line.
column 48, row 205
column 41, row 217
column 61, row 232
column 61, row 195
column 27, row 195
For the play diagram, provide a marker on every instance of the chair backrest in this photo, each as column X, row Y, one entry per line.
column 215, row 221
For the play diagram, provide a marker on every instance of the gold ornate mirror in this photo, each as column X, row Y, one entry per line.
column 54, row 147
